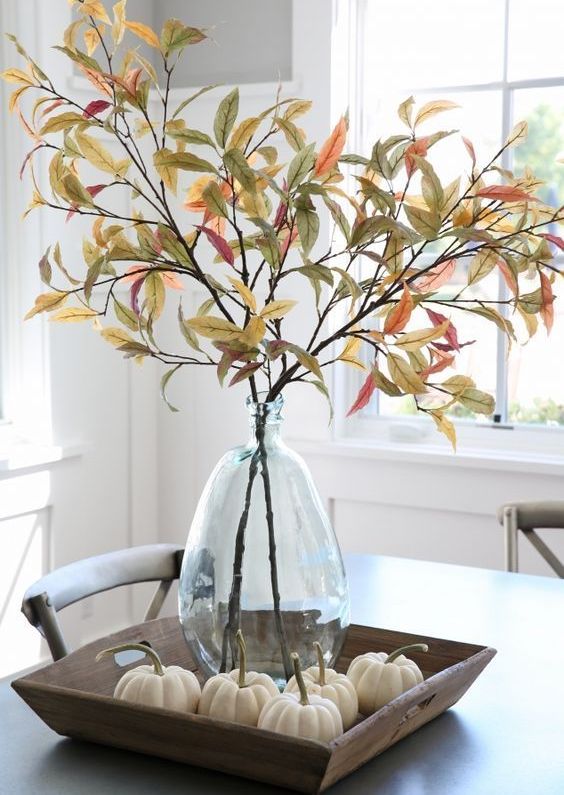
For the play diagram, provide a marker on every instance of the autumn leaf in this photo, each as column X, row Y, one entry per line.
column 225, row 117
column 414, row 340
column 176, row 35
column 96, row 107
column 517, row 135
column 75, row 314
column 436, row 277
column 215, row 328
column 94, row 8
column 481, row 265
column 219, row 243
column 470, row 149
column 547, row 297
column 445, row 426
column 557, row 241
column 505, row 193
column 144, row 32
column 245, row 293
column 17, row 76
column 404, row 376
column 274, row 310
column 254, row 332
column 46, row 302
column 477, row 401
column 430, row 109
column 331, row 150
column 245, row 372
column 116, row 336
column 398, row 318
column 365, row 393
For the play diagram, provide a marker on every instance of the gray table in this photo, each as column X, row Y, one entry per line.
column 505, row 737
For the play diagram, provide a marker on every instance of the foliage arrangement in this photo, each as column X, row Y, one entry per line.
column 248, row 230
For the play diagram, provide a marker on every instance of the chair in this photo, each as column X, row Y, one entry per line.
column 527, row 516
column 90, row 576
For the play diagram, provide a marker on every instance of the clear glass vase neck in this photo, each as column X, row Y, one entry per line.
column 265, row 419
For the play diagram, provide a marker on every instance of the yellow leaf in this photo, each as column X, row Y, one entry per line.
column 444, row 425
column 297, row 108
column 254, row 332
column 46, row 302
column 94, row 8
column 215, row 328
column 15, row 96
column 482, row 264
column 118, row 28
column 243, row 133
column 477, row 401
column 72, row 189
column 62, row 122
column 253, row 204
column 74, row 314
column 70, row 34
column 99, row 156
column 17, row 76
column 91, row 40
column 116, row 336
column 404, row 376
column 430, row 109
column 277, row 309
column 517, row 135
column 457, row 383
column 352, row 346
column 144, row 32
column 155, row 294
column 245, row 293
column 414, row 340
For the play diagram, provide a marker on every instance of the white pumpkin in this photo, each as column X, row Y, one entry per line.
column 327, row 683
column 379, row 677
column 301, row 714
column 238, row 696
column 155, row 685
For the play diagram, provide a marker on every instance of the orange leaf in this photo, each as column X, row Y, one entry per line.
column 505, row 193
column 331, row 150
column 557, row 241
column 419, row 147
column 398, row 318
column 171, row 280
column 442, row 361
column 508, row 276
column 436, row 277
column 96, row 79
column 470, row 149
column 547, row 296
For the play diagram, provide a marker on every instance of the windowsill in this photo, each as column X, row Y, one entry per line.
column 22, row 458
column 434, row 454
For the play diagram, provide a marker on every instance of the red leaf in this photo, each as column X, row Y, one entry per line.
column 131, row 81
column 558, row 241
column 219, row 243
column 157, row 244
column 436, row 277
column 287, row 242
column 95, row 107
column 470, row 149
column 364, row 395
column 508, row 276
column 505, row 193
column 244, row 372
column 398, row 318
column 330, row 152
column 419, row 147
column 442, row 361
column 280, row 215
column 276, row 348
column 547, row 308
column 451, row 335
column 94, row 190
column 134, row 294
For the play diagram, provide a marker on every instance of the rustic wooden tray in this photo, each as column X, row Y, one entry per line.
column 74, row 697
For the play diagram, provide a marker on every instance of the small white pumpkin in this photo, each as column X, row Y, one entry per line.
column 379, row 677
column 302, row 715
column 155, row 685
column 238, row 696
column 327, row 683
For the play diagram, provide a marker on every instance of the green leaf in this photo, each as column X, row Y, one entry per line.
column 186, row 102
column 45, row 270
column 322, row 387
column 226, row 116
column 379, row 161
column 193, row 137
column 338, row 217
column 126, row 316
column 164, row 383
column 185, row 161
column 308, row 228
column 482, row 264
column 477, row 401
column 384, row 384
column 236, row 163
column 317, row 272
column 62, row 122
column 214, row 200
column 306, row 360
column 300, row 166
column 155, row 294
column 176, row 35
column 292, row 135
column 424, row 222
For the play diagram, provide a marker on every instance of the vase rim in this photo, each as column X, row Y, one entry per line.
column 267, row 407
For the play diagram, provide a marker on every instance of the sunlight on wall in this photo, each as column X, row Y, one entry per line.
column 24, row 557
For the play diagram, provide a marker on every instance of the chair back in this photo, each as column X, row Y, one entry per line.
column 70, row 584
column 527, row 517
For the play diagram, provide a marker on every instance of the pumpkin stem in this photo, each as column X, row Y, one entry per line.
column 320, row 663
column 242, row 658
column 412, row 647
column 151, row 653
column 304, row 699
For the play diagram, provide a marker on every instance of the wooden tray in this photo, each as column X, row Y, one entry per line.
column 74, row 697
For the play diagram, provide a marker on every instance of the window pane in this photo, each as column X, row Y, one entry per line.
column 421, row 43
column 535, row 39
column 544, row 111
column 536, row 375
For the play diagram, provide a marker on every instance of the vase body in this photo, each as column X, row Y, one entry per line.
column 262, row 557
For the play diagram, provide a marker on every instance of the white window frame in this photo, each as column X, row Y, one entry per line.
column 520, row 438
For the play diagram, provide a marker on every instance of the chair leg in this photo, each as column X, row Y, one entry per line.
column 49, row 626
column 511, row 538
column 158, row 600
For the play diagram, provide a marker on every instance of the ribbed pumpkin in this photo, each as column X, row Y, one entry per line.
column 379, row 677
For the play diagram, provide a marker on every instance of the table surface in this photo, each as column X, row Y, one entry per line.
column 505, row 736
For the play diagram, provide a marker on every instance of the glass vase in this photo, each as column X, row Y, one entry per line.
column 262, row 557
